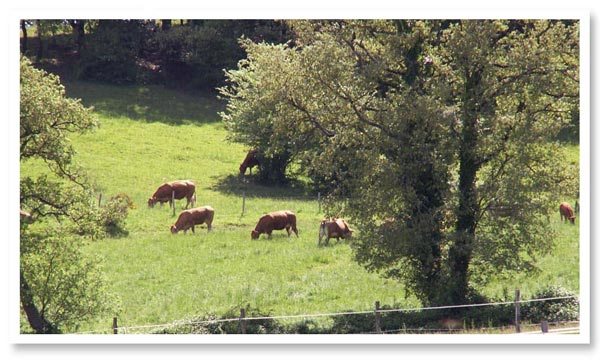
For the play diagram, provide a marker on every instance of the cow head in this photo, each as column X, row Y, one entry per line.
column 151, row 202
column 242, row 168
column 572, row 219
column 254, row 234
column 173, row 229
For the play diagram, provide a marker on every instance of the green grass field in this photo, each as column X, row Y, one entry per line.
column 149, row 135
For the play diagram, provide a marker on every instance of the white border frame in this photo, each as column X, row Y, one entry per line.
column 270, row 12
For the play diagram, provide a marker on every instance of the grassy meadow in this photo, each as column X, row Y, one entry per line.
column 148, row 135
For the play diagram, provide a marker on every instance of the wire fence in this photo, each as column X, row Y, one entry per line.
column 242, row 320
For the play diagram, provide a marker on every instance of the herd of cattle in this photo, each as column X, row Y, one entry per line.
column 277, row 220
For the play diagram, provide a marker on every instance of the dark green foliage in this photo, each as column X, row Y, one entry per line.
column 212, row 324
column 426, row 123
column 111, row 52
column 552, row 310
column 195, row 56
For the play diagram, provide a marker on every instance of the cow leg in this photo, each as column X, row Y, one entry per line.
column 193, row 231
column 268, row 234
column 295, row 230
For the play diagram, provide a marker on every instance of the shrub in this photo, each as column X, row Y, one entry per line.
column 111, row 52
column 552, row 310
column 113, row 214
column 195, row 56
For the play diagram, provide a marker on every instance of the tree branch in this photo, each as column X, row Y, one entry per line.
column 311, row 118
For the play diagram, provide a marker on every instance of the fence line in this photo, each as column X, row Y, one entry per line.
column 126, row 329
column 486, row 329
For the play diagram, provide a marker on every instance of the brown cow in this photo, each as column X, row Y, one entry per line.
column 334, row 228
column 249, row 162
column 182, row 188
column 192, row 217
column 277, row 220
column 566, row 213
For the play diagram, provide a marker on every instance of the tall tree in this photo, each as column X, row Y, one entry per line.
column 428, row 125
column 60, row 287
column 515, row 85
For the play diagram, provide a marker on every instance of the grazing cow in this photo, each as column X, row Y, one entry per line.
column 566, row 213
column 182, row 188
column 277, row 220
column 334, row 228
column 192, row 217
column 249, row 162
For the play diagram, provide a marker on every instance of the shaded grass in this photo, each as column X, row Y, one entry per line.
column 147, row 103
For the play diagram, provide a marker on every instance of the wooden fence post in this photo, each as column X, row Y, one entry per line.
column 517, row 311
column 319, row 201
column 242, row 321
column 115, row 327
column 244, row 203
column 377, row 318
column 173, row 201
column 99, row 199
column 544, row 327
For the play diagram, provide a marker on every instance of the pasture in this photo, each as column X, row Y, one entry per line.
column 149, row 135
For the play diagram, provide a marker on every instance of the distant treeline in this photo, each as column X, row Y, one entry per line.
column 188, row 54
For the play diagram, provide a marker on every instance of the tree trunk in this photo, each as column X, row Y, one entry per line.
column 40, row 50
column 24, row 43
column 166, row 24
column 461, row 252
column 79, row 29
column 272, row 169
column 36, row 320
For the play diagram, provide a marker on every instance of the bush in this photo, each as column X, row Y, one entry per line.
column 552, row 310
column 195, row 56
column 114, row 213
column 210, row 324
column 111, row 52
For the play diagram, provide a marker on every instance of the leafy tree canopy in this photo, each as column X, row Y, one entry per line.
column 60, row 287
column 439, row 134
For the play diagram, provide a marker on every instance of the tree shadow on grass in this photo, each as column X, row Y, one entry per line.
column 147, row 103
column 250, row 186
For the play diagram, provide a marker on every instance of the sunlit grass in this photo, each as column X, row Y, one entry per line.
column 149, row 135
